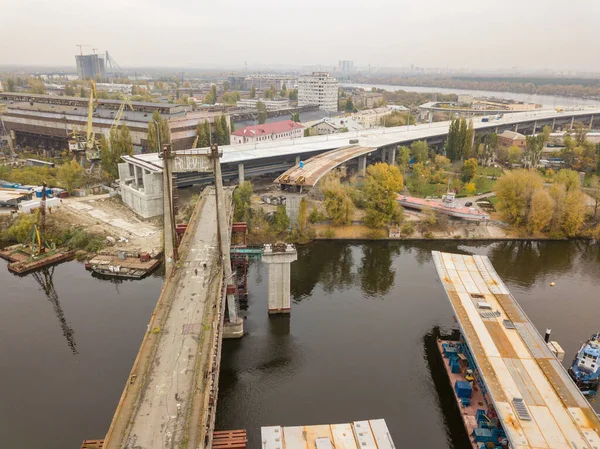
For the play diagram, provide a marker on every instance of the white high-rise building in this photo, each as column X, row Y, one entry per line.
column 318, row 88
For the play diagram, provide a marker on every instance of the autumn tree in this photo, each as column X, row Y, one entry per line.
column 515, row 154
column 419, row 151
column 112, row 149
column 540, row 212
column 339, row 205
column 242, row 199
column 569, row 178
column 159, row 133
column 595, row 193
column 70, row 176
column 468, row 169
column 21, row 228
column 381, row 188
column 514, row 191
column 280, row 221
column 303, row 216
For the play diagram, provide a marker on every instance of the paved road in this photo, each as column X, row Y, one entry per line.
column 160, row 419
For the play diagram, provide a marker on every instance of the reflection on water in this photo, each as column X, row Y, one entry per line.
column 44, row 278
column 376, row 273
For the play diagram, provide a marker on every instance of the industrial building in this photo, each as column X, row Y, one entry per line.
column 90, row 67
column 282, row 130
column 318, row 88
column 47, row 121
column 271, row 105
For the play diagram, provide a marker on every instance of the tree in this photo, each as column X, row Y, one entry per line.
column 338, row 200
column 569, row 178
column 70, row 176
column 540, row 213
column 283, row 91
column 403, row 158
column 213, row 92
column 281, row 222
column 262, row 112
column 419, row 151
column 470, row 188
column 225, row 134
column 468, row 169
column 21, row 228
column 293, row 94
column 514, row 191
column 242, row 199
column 468, row 144
column 69, row 90
column 595, row 193
column 203, row 136
column 303, row 216
column 296, row 117
column 159, row 133
column 515, row 154
column 226, row 86
column 349, row 106
column 253, row 92
column 490, row 148
column 382, row 184
column 441, row 162
column 10, row 85
column 118, row 144
column 36, row 86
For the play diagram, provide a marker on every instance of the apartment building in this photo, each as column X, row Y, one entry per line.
column 318, row 88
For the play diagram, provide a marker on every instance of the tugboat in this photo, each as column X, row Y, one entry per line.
column 585, row 369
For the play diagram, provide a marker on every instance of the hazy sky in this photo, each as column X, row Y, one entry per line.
column 481, row 34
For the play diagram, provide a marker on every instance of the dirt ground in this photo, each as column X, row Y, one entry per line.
column 106, row 216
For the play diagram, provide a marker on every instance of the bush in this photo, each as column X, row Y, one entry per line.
column 329, row 233
column 316, row 216
column 407, row 229
column 428, row 235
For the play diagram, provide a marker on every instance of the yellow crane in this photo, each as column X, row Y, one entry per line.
column 91, row 150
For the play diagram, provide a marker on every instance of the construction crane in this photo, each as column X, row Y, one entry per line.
column 5, row 135
column 81, row 47
column 37, row 235
column 86, row 146
column 44, row 278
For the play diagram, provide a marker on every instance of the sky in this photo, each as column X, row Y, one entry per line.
column 477, row 34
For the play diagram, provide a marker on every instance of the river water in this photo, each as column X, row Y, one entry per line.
column 547, row 101
column 356, row 346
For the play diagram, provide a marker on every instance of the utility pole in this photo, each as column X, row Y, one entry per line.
column 222, row 225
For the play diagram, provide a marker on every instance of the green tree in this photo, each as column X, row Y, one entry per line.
column 119, row 144
column 419, row 151
column 22, row 227
column 293, row 94
column 468, row 169
column 70, row 176
column 515, row 154
column 382, row 184
column 303, row 216
column 468, row 143
column 262, row 112
column 281, row 222
column 226, row 86
column 213, row 92
column 349, row 106
column 459, row 142
column 269, row 94
column 242, row 199
column 69, row 90
column 283, row 92
column 36, row 86
column 159, row 133
column 338, row 200
column 296, row 117
column 225, row 139
column 403, row 158
column 253, row 92
column 203, row 136
column 219, row 132
column 10, row 85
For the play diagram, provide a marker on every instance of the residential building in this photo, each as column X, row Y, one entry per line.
column 345, row 66
column 367, row 100
column 262, row 82
column 319, row 88
column 333, row 125
column 283, row 130
column 272, row 105
column 371, row 118
column 510, row 139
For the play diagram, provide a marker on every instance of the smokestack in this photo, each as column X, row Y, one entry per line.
column 547, row 336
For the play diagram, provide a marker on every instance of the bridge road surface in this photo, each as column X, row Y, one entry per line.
column 174, row 391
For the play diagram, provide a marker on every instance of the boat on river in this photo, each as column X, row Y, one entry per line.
column 448, row 206
column 585, row 369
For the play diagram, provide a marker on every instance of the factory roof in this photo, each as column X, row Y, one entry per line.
column 268, row 128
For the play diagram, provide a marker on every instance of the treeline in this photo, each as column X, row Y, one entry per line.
column 498, row 85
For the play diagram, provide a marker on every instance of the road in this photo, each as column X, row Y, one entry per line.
column 174, row 382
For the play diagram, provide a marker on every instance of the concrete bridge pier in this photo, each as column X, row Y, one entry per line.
column 384, row 154
column 516, row 127
column 534, row 127
column 279, row 258
column 392, row 156
column 292, row 206
column 591, row 121
column 297, row 160
column 572, row 121
column 362, row 165
column 240, row 174
column 430, row 118
column 553, row 124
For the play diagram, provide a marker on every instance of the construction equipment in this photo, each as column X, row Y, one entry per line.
column 6, row 135
column 37, row 235
column 86, row 147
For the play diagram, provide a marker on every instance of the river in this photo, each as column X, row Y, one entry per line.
column 547, row 101
column 356, row 346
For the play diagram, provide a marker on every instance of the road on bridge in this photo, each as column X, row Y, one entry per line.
column 173, row 394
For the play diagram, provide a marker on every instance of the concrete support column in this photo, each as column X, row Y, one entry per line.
column 168, row 219
column 392, row 154
column 136, row 175
column 297, row 160
column 534, row 127
column 240, row 174
column 572, row 121
column 430, row 116
column 516, row 127
column 279, row 258
column 591, row 122
column 292, row 206
column 383, row 154
column 362, row 165
column 553, row 123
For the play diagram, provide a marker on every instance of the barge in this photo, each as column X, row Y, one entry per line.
column 585, row 370
column 121, row 265
column 527, row 393
column 447, row 206
column 22, row 260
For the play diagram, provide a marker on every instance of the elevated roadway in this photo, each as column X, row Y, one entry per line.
column 169, row 400
column 535, row 399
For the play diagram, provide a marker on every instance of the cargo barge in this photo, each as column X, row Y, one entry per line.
column 22, row 261
column 121, row 265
